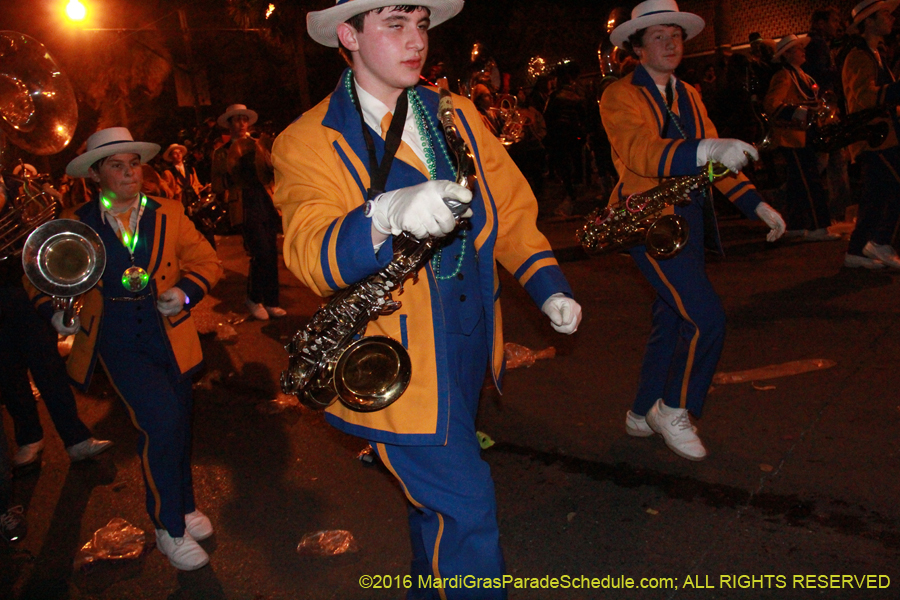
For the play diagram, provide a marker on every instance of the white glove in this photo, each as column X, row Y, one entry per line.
column 419, row 209
column 564, row 313
column 772, row 218
column 734, row 154
column 171, row 301
column 57, row 321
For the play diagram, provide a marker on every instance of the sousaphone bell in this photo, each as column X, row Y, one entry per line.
column 64, row 259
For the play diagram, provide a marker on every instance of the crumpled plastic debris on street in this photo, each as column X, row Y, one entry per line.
column 520, row 356
column 116, row 541
column 793, row 367
column 327, row 543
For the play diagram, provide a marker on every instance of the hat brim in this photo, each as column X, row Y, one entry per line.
column 322, row 24
column 167, row 155
column 223, row 119
column 799, row 41
column 691, row 23
column 78, row 166
column 891, row 6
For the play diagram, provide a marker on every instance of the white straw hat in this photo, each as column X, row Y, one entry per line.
column 236, row 109
column 167, row 155
column 107, row 142
column 867, row 7
column 322, row 24
column 657, row 12
column 788, row 42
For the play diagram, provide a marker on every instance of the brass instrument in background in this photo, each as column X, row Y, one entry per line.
column 826, row 130
column 327, row 358
column 639, row 220
column 833, row 134
column 30, row 208
column 38, row 113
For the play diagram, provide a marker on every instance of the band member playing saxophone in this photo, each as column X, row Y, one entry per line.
column 658, row 127
column 347, row 202
column 868, row 83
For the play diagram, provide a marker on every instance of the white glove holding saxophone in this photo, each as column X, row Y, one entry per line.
column 564, row 313
column 733, row 154
column 772, row 218
column 419, row 209
column 171, row 302
column 58, row 322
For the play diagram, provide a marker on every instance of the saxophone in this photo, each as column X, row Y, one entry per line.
column 639, row 219
column 328, row 360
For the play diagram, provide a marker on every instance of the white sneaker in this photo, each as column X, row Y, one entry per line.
column 636, row 425
column 28, row 453
column 257, row 311
column 198, row 525
column 854, row 261
column 276, row 312
column 89, row 448
column 184, row 553
column 674, row 424
column 884, row 253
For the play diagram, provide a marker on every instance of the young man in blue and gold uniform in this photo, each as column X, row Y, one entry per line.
column 338, row 231
column 137, row 323
column 658, row 128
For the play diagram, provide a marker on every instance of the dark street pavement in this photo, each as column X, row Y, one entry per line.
column 800, row 487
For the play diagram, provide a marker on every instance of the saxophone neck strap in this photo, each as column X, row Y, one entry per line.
column 378, row 172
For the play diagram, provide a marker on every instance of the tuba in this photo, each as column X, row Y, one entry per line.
column 327, row 358
column 639, row 220
column 38, row 113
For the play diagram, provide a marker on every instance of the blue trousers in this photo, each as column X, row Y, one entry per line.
column 159, row 401
column 452, row 509
column 879, row 205
column 807, row 202
column 688, row 329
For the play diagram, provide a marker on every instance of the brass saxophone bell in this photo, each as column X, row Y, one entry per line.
column 667, row 236
column 372, row 373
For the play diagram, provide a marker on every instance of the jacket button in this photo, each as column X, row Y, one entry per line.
column 460, row 276
column 462, row 298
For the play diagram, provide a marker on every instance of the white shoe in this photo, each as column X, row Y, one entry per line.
column 276, row 312
column 674, row 424
column 28, row 453
column 184, row 553
column 636, row 425
column 198, row 525
column 257, row 311
column 854, row 261
column 89, row 448
column 884, row 253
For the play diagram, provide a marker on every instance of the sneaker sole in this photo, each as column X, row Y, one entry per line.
column 638, row 432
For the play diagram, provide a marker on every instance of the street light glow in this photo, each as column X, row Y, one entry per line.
column 75, row 10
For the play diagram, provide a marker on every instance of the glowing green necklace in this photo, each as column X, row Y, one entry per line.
column 134, row 278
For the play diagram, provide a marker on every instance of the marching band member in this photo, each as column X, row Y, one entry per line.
column 137, row 323
column 869, row 83
column 343, row 203
column 791, row 101
column 179, row 177
column 658, row 127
